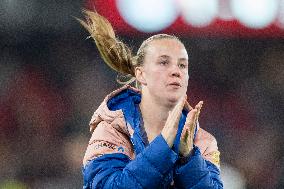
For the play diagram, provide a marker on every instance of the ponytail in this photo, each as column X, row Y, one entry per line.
column 114, row 52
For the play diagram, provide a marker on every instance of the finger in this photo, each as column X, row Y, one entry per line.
column 187, row 105
column 181, row 103
column 193, row 127
column 191, row 121
column 187, row 137
column 192, row 130
column 176, row 112
column 184, row 131
column 199, row 105
column 190, row 117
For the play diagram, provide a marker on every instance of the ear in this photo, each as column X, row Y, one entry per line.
column 139, row 75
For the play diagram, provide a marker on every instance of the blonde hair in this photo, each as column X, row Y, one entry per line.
column 116, row 54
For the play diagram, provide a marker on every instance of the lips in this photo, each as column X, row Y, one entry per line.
column 177, row 84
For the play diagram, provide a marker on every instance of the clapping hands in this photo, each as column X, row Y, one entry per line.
column 170, row 129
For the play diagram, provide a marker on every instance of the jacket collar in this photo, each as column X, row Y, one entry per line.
column 123, row 103
column 108, row 110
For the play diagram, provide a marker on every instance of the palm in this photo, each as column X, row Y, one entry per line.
column 187, row 136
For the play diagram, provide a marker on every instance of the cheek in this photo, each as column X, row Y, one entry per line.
column 186, row 77
column 185, row 82
column 156, row 76
column 157, row 81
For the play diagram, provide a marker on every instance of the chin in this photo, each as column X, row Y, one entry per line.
column 172, row 100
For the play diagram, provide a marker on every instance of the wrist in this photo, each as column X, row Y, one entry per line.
column 184, row 152
column 169, row 136
column 184, row 157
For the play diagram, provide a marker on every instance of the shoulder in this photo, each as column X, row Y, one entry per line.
column 109, row 127
column 108, row 139
column 112, row 106
column 207, row 144
column 205, row 141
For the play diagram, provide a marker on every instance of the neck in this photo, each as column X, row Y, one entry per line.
column 154, row 115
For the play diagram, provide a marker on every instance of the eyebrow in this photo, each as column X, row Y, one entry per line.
column 166, row 56
column 183, row 59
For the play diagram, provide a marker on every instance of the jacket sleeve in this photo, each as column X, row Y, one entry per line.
column 110, row 166
column 200, row 171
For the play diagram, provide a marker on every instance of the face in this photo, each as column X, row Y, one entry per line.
column 164, row 73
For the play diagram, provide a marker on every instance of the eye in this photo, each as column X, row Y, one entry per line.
column 182, row 66
column 163, row 62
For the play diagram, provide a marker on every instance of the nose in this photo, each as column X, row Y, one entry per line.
column 175, row 72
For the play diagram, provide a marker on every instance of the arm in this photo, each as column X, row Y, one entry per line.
column 197, row 170
column 151, row 168
column 108, row 166
column 200, row 171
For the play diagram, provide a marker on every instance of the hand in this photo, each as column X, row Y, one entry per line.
column 170, row 129
column 186, row 140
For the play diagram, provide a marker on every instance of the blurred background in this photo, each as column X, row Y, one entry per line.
column 52, row 79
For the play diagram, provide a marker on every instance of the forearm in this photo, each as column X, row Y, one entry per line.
column 148, row 170
column 197, row 173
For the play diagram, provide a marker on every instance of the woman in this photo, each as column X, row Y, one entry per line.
column 148, row 136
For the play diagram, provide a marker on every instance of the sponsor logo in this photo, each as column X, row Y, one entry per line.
column 216, row 158
column 120, row 149
column 104, row 144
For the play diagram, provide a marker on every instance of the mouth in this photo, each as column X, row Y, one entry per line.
column 175, row 84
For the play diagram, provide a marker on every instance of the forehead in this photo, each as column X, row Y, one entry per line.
column 169, row 47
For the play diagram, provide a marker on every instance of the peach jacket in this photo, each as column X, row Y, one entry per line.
column 111, row 134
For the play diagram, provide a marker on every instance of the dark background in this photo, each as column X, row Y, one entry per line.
column 52, row 80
